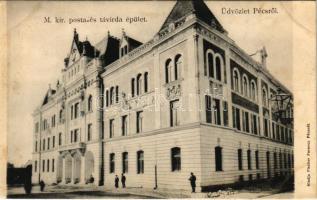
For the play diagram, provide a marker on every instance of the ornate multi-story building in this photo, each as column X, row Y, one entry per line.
column 188, row 100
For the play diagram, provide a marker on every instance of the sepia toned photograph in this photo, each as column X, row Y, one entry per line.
column 153, row 99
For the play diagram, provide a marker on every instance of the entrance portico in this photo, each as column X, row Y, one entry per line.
column 75, row 166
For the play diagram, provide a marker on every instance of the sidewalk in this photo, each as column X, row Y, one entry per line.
column 92, row 191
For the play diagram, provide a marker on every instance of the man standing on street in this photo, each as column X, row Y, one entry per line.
column 116, row 181
column 123, row 179
column 192, row 180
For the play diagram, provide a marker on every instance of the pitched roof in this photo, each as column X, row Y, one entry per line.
column 197, row 7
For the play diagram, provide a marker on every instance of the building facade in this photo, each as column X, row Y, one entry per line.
column 188, row 100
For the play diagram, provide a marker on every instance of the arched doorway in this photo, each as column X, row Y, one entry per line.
column 76, row 168
column 89, row 166
column 68, row 168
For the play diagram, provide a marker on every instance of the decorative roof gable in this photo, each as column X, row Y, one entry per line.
column 198, row 8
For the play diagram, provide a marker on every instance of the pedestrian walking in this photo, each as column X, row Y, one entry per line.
column 42, row 185
column 192, row 180
column 123, row 179
column 116, row 181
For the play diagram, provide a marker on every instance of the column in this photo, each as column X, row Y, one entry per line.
column 63, row 171
column 82, row 170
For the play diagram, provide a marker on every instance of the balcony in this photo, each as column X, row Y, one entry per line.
column 73, row 146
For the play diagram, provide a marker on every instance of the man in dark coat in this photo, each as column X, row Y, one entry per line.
column 42, row 185
column 192, row 180
column 123, row 179
column 116, row 181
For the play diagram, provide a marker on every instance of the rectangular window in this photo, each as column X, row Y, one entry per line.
column 48, row 143
column 208, row 108
column 72, row 112
column 71, row 136
column 111, row 128
column 278, row 132
column 112, row 163
column 75, row 135
column 89, row 132
column 60, row 139
column 218, row 158
column 281, row 160
column 125, row 162
column 53, row 121
column 217, row 111
column 43, row 165
column 236, row 118
column 35, row 166
column 254, row 124
column 273, row 130
column 124, row 125
column 76, row 110
column 275, row 160
column 174, row 113
column 48, row 165
column 240, row 157
column 257, row 159
column 176, row 159
column 43, row 144
column 53, row 141
column 140, row 162
column 285, row 161
column 139, row 121
column 225, row 113
column 53, row 165
column 36, row 146
column 266, row 131
column 246, row 122
column 249, row 159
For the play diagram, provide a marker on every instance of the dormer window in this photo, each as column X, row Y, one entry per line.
column 124, row 50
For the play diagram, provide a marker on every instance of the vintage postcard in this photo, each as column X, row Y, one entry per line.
column 158, row 99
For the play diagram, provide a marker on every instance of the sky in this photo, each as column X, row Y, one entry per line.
column 37, row 49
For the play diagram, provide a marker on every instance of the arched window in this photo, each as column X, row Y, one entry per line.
column 107, row 98
column 111, row 95
column 176, row 159
column 236, row 80
column 132, row 87
column 168, row 75
column 140, row 162
column 245, row 86
column 117, row 94
column 218, row 158
column 218, row 67
column 90, row 103
column 264, row 97
column 210, row 64
column 253, row 90
column 139, row 84
column 178, row 66
column 146, row 76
